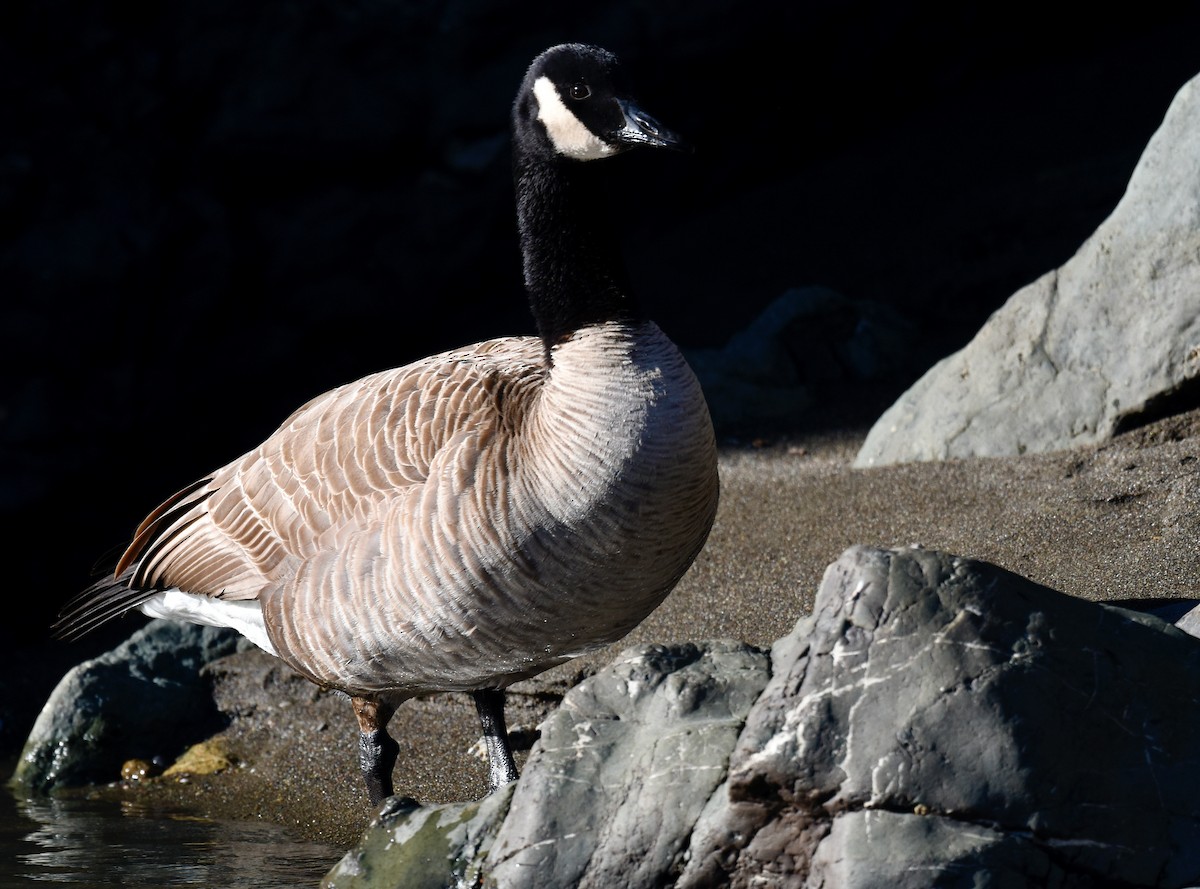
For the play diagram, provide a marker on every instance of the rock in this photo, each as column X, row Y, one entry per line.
column 423, row 847
column 934, row 720
column 143, row 699
column 206, row 758
column 1190, row 622
column 868, row 848
column 1104, row 342
column 805, row 341
column 973, row 722
column 134, row 770
column 623, row 768
column 610, row 792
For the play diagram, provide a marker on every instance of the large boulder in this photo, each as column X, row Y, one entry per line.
column 145, row 699
column 936, row 719
column 610, row 793
column 1110, row 338
column 624, row 767
column 423, row 847
column 935, row 722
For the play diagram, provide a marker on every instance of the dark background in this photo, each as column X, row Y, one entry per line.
column 212, row 211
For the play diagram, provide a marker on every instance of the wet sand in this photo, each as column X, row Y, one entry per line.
column 1116, row 521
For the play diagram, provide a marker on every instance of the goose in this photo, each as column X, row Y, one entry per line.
column 476, row 517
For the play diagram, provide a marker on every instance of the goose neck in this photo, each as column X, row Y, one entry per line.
column 574, row 274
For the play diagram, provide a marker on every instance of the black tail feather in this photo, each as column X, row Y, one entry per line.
column 99, row 603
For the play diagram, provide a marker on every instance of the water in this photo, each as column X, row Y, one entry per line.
column 86, row 844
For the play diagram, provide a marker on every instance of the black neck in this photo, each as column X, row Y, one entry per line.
column 573, row 268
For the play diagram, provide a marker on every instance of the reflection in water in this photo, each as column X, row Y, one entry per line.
column 86, row 843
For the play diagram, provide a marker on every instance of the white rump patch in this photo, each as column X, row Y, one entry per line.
column 243, row 615
column 567, row 132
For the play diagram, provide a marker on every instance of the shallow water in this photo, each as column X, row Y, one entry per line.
column 89, row 843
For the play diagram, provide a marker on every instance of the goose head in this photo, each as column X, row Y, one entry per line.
column 572, row 105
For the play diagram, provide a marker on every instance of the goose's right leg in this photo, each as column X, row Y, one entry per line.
column 376, row 748
column 502, row 769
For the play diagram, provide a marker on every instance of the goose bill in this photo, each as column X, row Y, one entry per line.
column 642, row 129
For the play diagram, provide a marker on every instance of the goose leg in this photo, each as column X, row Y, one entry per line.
column 376, row 749
column 502, row 769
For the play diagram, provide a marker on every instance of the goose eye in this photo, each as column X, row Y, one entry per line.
column 580, row 91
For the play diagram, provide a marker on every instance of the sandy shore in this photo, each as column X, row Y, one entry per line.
column 1117, row 521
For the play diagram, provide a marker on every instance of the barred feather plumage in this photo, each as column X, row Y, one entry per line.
column 478, row 516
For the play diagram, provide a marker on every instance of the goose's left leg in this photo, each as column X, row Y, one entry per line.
column 502, row 769
column 376, row 749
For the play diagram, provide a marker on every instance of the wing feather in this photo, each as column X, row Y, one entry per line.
column 100, row 602
column 329, row 471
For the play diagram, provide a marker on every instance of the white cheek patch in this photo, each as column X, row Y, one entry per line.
column 567, row 132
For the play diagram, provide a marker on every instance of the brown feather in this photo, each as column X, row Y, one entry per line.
column 329, row 470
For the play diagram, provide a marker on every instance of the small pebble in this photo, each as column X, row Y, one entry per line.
column 135, row 770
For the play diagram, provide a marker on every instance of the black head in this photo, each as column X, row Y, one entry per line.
column 572, row 104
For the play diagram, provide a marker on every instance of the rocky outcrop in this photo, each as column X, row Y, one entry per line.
column 1106, row 341
column 966, row 720
column 621, row 773
column 934, row 721
column 146, row 699
column 423, row 847
column 610, row 793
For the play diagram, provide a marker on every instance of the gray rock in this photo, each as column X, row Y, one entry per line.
column 144, row 699
column 423, row 847
column 1088, row 349
column 1190, row 622
column 867, row 848
column 990, row 728
column 935, row 722
column 806, row 340
column 623, row 768
column 610, row 792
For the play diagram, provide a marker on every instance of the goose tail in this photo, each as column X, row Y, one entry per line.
column 101, row 602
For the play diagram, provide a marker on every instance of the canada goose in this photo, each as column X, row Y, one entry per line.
column 479, row 516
